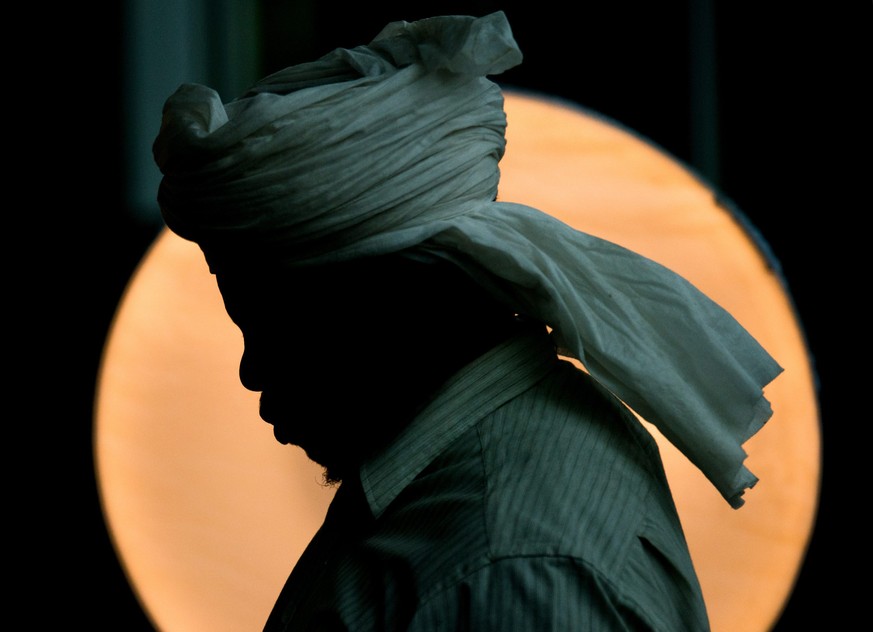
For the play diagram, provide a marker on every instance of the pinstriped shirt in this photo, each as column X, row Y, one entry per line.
column 523, row 497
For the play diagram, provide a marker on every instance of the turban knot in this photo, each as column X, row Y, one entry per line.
column 320, row 156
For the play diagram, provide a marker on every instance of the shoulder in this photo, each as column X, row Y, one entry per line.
column 569, row 470
column 543, row 509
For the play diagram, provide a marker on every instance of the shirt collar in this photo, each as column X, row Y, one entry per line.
column 475, row 391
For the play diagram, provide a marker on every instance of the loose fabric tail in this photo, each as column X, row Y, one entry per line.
column 659, row 344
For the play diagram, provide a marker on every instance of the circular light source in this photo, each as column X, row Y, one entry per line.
column 209, row 513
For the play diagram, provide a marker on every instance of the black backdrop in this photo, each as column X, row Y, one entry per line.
column 792, row 112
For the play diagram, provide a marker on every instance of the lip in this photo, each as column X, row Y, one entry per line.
column 274, row 413
column 267, row 410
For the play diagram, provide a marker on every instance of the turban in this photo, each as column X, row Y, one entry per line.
column 394, row 147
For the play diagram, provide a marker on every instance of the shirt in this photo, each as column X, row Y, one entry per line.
column 523, row 497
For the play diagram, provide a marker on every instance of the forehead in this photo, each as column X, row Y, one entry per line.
column 307, row 296
column 263, row 300
column 366, row 280
column 364, row 291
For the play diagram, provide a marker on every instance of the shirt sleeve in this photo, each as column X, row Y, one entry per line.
column 547, row 594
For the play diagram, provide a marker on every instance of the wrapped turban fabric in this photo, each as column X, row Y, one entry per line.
column 394, row 146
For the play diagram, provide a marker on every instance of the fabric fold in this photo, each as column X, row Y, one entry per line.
column 663, row 347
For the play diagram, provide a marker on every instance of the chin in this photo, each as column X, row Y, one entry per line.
column 326, row 440
column 320, row 449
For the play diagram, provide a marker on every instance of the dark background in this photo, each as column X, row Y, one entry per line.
column 768, row 103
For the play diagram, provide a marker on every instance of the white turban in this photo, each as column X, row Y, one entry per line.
column 395, row 146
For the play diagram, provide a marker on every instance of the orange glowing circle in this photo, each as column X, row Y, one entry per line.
column 208, row 513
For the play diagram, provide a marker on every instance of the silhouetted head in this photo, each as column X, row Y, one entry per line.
column 345, row 355
column 355, row 157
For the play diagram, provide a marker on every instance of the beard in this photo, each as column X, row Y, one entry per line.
column 333, row 429
column 323, row 436
column 341, row 420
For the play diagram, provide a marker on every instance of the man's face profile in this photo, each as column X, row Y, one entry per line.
column 329, row 352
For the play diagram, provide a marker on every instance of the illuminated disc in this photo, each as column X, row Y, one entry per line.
column 209, row 513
